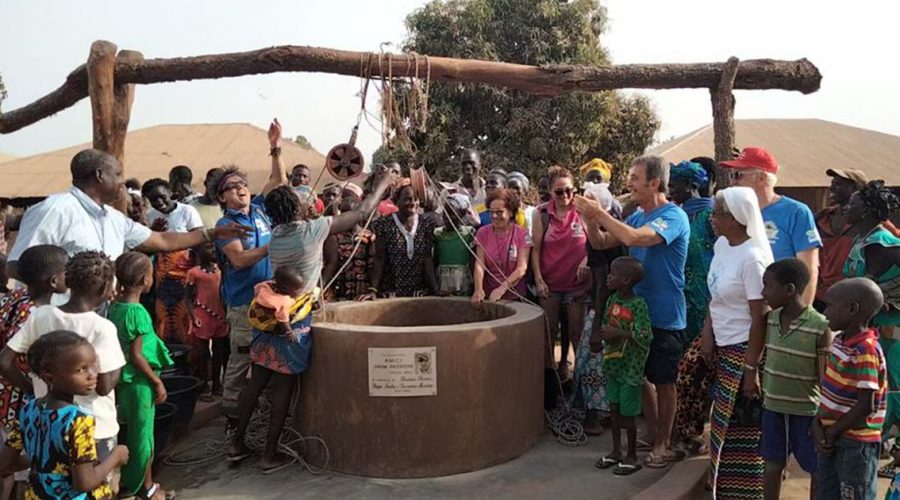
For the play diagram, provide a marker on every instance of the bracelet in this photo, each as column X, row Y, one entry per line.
column 276, row 151
column 206, row 234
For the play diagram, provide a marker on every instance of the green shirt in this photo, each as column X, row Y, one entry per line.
column 133, row 321
column 452, row 248
column 791, row 377
column 624, row 359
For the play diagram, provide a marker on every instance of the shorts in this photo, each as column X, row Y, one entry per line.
column 783, row 435
column 666, row 349
column 627, row 397
column 567, row 298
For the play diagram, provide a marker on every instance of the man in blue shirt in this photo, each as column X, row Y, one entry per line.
column 790, row 225
column 245, row 263
column 657, row 234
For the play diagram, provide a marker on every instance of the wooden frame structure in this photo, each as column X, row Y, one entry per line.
column 108, row 78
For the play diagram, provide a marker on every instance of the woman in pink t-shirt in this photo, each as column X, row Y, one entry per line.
column 559, row 252
column 503, row 250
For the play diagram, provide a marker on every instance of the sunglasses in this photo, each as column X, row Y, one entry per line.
column 566, row 191
column 736, row 175
column 232, row 185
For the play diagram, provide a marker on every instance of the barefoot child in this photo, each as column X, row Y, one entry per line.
column 55, row 434
column 140, row 387
column 280, row 315
column 208, row 322
column 847, row 428
column 89, row 276
column 797, row 340
column 626, row 338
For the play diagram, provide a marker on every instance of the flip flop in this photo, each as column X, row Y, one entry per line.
column 656, row 461
column 606, row 463
column 238, row 457
column 888, row 471
column 624, row 469
column 275, row 468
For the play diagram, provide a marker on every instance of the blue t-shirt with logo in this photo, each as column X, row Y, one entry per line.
column 663, row 284
column 237, row 284
column 791, row 228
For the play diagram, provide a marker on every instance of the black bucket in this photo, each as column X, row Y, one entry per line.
column 183, row 391
column 162, row 427
column 180, row 355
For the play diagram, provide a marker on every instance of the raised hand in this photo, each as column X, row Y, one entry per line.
column 274, row 133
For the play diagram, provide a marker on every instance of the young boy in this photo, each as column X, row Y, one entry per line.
column 847, row 428
column 90, row 279
column 626, row 336
column 797, row 339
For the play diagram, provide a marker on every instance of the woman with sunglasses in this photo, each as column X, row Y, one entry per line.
column 559, row 250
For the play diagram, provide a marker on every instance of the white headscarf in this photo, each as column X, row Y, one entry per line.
column 744, row 207
column 599, row 192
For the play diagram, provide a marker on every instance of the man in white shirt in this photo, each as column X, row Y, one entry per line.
column 82, row 218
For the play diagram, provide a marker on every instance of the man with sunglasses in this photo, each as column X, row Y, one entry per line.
column 790, row 224
column 657, row 234
column 245, row 262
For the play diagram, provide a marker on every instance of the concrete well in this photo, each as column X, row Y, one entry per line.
column 488, row 403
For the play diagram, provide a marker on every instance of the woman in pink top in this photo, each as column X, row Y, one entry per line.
column 559, row 250
column 503, row 251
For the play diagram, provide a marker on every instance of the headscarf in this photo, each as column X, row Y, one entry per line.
column 691, row 172
column 881, row 201
column 601, row 193
column 600, row 166
column 744, row 207
column 519, row 176
column 462, row 205
column 354, row 188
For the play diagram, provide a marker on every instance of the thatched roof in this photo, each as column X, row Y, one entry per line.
column 153, row 151
column 804, row 149
column 5, row 157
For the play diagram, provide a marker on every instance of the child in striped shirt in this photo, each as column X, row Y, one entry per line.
column 851, row 412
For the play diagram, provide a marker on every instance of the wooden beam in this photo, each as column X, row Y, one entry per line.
column 757, row 74
column 124, row 97
column 723, row 111
column 100, row 67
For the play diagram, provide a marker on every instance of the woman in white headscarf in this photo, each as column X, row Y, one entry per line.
column 733, row 340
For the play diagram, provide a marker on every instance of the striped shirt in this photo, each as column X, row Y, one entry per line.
column 854, row 363
column 791, row 377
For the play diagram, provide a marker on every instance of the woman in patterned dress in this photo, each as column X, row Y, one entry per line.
column 353, row 281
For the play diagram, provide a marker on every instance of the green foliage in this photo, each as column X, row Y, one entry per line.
column 303, row 141
column 515, row 130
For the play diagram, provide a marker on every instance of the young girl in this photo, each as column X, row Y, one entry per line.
column 53, row 432
column 452, row 243
column 208, row 323
column 140, row 387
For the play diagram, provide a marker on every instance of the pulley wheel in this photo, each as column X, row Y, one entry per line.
column 344, row 162
column 418, row 181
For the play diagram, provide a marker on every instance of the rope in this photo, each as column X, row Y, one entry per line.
column 211, row 450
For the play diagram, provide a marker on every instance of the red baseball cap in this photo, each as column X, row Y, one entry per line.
column 754, row 158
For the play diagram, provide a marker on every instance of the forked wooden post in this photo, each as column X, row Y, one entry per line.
column 723, row 111
column 101, row 67
column 124, row 97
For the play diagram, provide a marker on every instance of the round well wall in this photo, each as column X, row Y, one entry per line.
column 487, row 406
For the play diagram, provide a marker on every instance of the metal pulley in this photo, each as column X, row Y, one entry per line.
column 345, row 161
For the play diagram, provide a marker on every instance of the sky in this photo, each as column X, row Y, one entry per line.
column 41, row 42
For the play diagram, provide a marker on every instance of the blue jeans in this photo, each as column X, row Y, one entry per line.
column 850, row 472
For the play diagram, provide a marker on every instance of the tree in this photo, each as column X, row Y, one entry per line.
column 514, row 130
column 303, row 141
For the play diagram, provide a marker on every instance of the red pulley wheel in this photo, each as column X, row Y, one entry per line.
column 344, row 162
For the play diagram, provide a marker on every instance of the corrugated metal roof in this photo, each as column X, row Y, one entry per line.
column 153, row 151
column 804, row 149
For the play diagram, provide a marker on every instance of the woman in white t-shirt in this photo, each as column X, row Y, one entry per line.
column 166, row 214
column 733, row 336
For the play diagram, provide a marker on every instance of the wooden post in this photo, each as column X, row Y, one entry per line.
column 124, row 97
column 723, row 110
column 101, row 66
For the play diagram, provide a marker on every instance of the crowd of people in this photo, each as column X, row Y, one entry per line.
column 686, row 299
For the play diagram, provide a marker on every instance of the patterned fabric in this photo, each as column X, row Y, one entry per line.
column 209, row 310
column 287, row 354
column 791, row 378
column 889, row 281
column 696, row 269
column 172, row 316
column 404, row 276
column 15, row 308
column 590, row 381
column 694, row 380
column 854, row 363
column 624, row 359
column 262, row 315
column 354, row 280
column 55, row 441
column 737, row 466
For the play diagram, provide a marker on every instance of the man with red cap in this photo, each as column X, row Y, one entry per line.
column 790, row 224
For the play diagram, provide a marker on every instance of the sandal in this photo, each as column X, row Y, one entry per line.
column 277, row 467
column 889, row 470
column 238, row 456
column 606, row 462
column 151, row 492
column 624, row 469
column 655, row 461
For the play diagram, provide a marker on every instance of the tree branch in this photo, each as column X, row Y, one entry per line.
column 757, row 74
